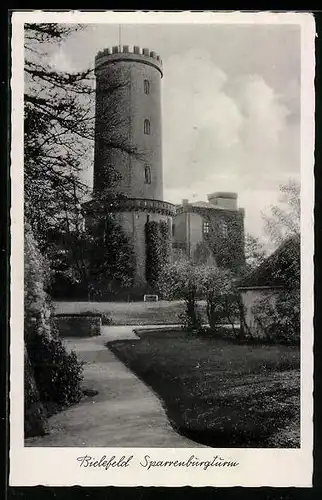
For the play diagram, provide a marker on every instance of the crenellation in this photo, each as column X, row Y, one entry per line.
column 126, row 49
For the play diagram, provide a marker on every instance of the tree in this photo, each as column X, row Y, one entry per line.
column 59, row 136
column 59, row 131
column 283, row 220
column 255, row 252
column 180, row 280
column 111, row 257
column 279, row 315
column 93, row 260
column 217, row 287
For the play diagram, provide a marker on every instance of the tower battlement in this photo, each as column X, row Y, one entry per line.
column 127, row 53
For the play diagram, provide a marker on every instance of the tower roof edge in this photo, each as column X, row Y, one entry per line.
column 127, row 53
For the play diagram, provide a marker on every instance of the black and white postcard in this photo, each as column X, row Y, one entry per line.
column 162, row 249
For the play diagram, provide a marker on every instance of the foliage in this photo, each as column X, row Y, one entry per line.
column 255, row 252
column 36, row 277
column 280, row 319
column 153, row 252
column 100, row 258
column 203, row 254
column 35, row 418
column 278, row 314
column 58, row 130
column 283, row 220
column 59, row 133
column 227, row 249
column 191, row 282
column 217, row 287
column 111, row 256
column 157, row 251
column 165, row 242
column 180, row 280
column 57, row 373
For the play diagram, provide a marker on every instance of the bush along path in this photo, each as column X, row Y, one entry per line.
column 53, row 376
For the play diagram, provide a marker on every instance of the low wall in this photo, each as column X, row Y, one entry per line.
column 78, row 325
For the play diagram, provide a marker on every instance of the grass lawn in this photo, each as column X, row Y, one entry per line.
column 219, row 393
column 131, row 313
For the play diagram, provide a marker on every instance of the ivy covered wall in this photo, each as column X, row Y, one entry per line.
column 158, row 250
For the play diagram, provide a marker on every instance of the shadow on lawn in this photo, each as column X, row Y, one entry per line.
column 241, row 414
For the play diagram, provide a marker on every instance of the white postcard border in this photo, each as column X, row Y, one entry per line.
column 257, row 467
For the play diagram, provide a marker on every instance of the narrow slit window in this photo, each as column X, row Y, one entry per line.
column 146, row 87
column 147, row 127
column 205, row 227
column 147, row 174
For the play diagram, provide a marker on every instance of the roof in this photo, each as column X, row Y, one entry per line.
column 207, row 205
column 281, row 268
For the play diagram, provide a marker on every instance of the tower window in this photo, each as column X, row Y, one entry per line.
column 147, row 174
column 147, row 127
column 146, row 87
column 205, row 227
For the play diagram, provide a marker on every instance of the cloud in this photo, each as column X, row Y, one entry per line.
column 224, row 133
column 234, row 131
column 60, row 61
column 231, row 118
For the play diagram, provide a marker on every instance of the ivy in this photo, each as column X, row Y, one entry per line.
column 158, row 250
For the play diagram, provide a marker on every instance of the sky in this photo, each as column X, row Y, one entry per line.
column 230, row 101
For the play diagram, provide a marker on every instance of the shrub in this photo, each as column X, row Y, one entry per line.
column 35, row 417
column 56, row 372
column 180, row 280
column 279, row 319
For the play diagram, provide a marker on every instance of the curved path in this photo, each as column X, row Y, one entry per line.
column 125, row 412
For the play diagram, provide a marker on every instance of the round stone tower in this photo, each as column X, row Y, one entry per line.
column 128, row 113
column 128, row 143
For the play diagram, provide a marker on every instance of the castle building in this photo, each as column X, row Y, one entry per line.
column 128, row 169
column 217, row 225
column 128, row 143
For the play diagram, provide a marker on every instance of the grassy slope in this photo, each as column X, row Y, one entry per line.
column 218, row 393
